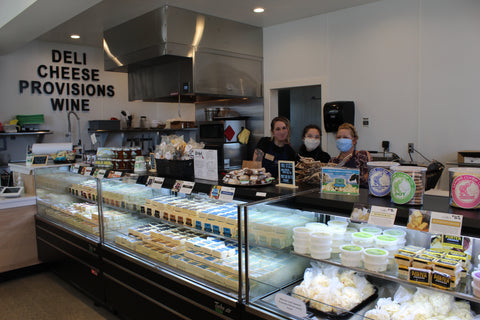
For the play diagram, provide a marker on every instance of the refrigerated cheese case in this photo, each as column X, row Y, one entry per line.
column 137, row 250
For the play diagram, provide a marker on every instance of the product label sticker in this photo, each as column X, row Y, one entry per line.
column 261, row 194
column 155, row 182
column 187, row 187
column 341, row 181
column 177, row 186
column 226, row 194
column 379, row 180
column 291, row 305
column 403, row 187
column 382, row 216
column 446, row 223
column 419, row 220
column 466, row 191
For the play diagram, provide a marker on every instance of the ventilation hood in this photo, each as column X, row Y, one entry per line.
column 174, row 54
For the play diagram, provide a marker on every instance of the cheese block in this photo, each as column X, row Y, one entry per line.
column 423, row 261
column 420, row 276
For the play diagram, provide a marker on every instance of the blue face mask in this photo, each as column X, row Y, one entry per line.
column 344, row 144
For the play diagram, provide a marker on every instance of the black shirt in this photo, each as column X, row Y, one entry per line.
column 317, row 154
column 273, row 153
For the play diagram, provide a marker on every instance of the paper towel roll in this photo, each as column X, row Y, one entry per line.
column 49, row 148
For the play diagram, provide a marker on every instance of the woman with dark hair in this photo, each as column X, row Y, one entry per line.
column 311, row 145
column 349, row 156
column 276, row 147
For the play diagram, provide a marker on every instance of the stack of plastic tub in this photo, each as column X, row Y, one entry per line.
column 351, row 255
column 321, row 244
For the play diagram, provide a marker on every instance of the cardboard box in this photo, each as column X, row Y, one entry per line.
column 468, row 156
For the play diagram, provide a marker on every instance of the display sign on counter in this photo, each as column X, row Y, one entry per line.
column 86, row 171
column 115, row 174
column 446, row 223
column 187, row 187
column 222, row 193
column 39, row 160
column 155, row 182
column 291, row 305
column 340, row 181
column 286, row 174
column 205, row 164
column 382, row 216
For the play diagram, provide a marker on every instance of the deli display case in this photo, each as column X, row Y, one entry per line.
column 353, row 270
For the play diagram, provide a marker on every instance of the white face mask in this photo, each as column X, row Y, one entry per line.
column 311, row 143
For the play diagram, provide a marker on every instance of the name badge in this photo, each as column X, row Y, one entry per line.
column 269, row 156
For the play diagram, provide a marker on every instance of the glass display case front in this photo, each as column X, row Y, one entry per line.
column 324, row 266
column 62, row 197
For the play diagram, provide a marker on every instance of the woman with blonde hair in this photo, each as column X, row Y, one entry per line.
column 349, row 157
column 276, row 147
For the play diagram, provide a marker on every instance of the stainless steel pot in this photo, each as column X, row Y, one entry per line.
column 210, row 114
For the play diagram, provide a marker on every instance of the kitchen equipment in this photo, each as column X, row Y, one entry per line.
column 210, row 113
column 164, row 65
column 221, row 130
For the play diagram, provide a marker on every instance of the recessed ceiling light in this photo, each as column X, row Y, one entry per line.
column 74, row 36
column 258, row 10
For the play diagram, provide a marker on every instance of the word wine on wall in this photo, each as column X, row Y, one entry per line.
column 68, row 77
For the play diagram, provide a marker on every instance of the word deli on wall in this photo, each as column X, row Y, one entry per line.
column 69, row 78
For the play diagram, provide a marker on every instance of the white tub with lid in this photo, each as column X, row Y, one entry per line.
column 350, row 262
column 379, row 177
column 373, row 230
column 386, row 242
column 339, row 224
column 397, row 233
column 464, row 187
column 408, row 184
column 375, row 255
column 351, row 251
column 364, row 239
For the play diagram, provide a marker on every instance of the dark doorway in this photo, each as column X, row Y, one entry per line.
column 303, row 106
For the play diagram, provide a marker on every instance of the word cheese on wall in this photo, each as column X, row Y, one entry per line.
column 68, row 77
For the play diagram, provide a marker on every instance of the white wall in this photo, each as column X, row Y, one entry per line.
column 411, row 67
column 22, row 65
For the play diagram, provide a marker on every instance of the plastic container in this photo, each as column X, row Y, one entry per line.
column 373, row 230
column 397, row 233
column 348, row 234
column 464, row 187
column 316, row 226
column 350, row 262
column 375, row 255
column 386, row 242
column 408, row 184
column 475, row 289
column 379, row 177
column 302, row 249
column 476, row 278
column 363, row 239
column 321, row 237
column 351, row 251
column 339, row 224
column 301, row 233
column 322, row 254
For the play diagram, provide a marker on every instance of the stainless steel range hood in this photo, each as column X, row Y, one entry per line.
column 171, row 53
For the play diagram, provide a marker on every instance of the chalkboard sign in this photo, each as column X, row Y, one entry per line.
column 286, row 174
column 40, row 160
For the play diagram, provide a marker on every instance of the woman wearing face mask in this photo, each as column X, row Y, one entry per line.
column 277, row 147
column 311, row 145
column 349, row 157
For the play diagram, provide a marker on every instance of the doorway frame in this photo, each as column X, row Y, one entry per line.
column 271, row 89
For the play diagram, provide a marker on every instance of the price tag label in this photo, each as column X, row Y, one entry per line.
column 115, row 174
column 291, row 305
column 75, row 168
column 226, row 194
column 261, row 194
column 87, row 171
column 177, row 186
column 382, row 216
column 155, row 182
column 446, row 223
column 101, row 173
column 93, row 138
column 286, row 174
column 187, row 187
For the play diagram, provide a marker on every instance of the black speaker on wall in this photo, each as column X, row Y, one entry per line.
column 337, row 112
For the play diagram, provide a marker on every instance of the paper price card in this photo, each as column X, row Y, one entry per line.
column 101, row 173
column 86, row 171
column 115, row 174
column 382, row 216
column 75, row 168
column 446, row 223
column 187, row 187
column 291, row 305
column 177, row 186
column 155, row 182
column 226, row 194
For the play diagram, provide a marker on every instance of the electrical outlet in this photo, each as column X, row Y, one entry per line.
column 411, row 147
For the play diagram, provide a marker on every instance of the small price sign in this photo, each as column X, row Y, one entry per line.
column 187, row 187
column 87, row 171
column 286, row 174
column 446, row 223
column 222, row 193
column 382, row 216
column 155, row 182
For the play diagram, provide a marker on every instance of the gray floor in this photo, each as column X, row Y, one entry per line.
column 45, row 296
